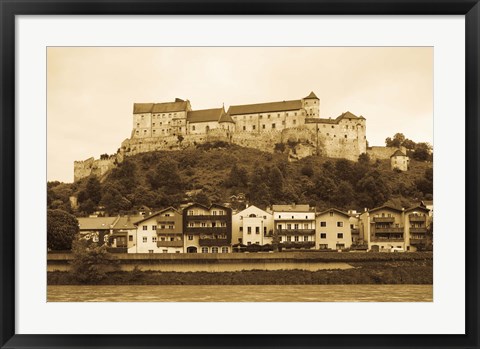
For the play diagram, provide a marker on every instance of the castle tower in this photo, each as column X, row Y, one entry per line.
column 311, row 104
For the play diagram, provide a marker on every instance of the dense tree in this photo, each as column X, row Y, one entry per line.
column 93, row 189
column 397, row 140
column 61, row 229
column 422, row 152
column 343, row 195
column 91, row 262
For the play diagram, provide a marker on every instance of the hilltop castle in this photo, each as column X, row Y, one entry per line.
column 175, row 125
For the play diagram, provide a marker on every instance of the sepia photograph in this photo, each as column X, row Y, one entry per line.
column 239, row 174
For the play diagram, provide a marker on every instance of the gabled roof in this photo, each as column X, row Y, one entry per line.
column 226, row 118
column 335, row 210
column 418, row 207
column 156, row 214
column 311, row 96
column 265, row 107
column 385, row 207
column 348, row 115
column 205, row 115
column 291, row 208
column 127, row 222
column 397, row 153
column 96, row 223
column 179, row 105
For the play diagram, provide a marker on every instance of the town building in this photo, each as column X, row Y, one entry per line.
column 333, row 230
column 160, row 232
column 294, row 226
column 252, row 226
column 383, row 229
column 399, row 161
column 417, row 223
column 207, row 229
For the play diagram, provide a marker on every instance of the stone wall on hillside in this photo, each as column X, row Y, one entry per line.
column 383, row 153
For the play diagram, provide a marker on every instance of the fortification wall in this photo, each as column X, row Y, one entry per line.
column 308, row 140
column 98, row 167
column 383, row 153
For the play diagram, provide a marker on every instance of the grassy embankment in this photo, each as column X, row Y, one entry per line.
column 411, row 268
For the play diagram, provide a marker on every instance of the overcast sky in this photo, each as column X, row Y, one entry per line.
column 91, row 91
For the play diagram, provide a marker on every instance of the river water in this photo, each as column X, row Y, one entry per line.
column 242, row 293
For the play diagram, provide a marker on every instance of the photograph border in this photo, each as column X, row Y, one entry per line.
column 11, row 8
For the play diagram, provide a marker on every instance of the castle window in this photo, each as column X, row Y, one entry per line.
column 324, row 126
column 137, row 132
column 268, row 116
column 244, row 128
column 345, row 136
column 154, row 131
column 273, row 126
column 142, row 117
column 278, row 115
column 261, row 116
column 193, row 128
column 314, row 102
column 332, row 126
column 286, row 114
column 263, row 126
column 138, row 125
column 328, row 134
column 294, row 121
column 153, row 124
column 253, row 127
column 295, row 113
column 283, row 122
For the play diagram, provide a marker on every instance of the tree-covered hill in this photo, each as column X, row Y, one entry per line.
column 215, row 172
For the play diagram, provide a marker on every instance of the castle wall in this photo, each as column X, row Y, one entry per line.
column 271, row 121
column 383, row 153
column 98, row 167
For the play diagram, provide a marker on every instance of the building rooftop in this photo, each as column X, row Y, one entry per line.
column 397, row 153
column 333, row 210
column 265, row 107
column 167, row 107
column 96, row 223
column 205, row 115
column 291, row 208
column 311, row 96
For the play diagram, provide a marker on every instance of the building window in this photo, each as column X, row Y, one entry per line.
column 224, row 249
column 249, row 230
column 144, row 227
column 154, row 239
column 154, row 227
column 170, row 227
column 305, row 238
column 214, row 249
column 144, row 239
column 289, row 238
column 191, row 224
column 323, row 247
column 150, row 251
column 190, row 237
column 340, row 236
column 257, row 230
column 130, row 237
column 305, row 226
column 241, row 229
column 264, row 231
column 297, row 238
column 340, row 224
column 204, row 249
column 323, row 224
column 340, row 246
column 331, row 214
column 323, row 235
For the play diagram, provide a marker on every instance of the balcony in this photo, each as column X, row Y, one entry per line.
column 296, row 231
column 384, row 219
column 355, row 231
column 214, row 242
column 417, row 240
column 389, row 230
column 176, row 243
column 166, row 220
column 385, row 239
column 206, row 230
column 206, row 217
column 418, row 230
column 416, row 218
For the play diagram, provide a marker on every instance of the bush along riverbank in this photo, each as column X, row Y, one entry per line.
column 418, row 272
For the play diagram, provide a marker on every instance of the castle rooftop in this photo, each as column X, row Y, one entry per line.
column 265, row 107
column 167, row 107
column 206, row 115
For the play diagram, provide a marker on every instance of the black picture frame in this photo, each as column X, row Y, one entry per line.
column 11, row 8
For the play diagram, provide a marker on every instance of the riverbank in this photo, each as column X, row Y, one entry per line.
column 402, row 270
